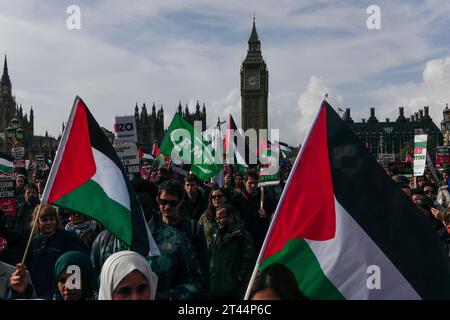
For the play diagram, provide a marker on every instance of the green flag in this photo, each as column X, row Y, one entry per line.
column 183, row 143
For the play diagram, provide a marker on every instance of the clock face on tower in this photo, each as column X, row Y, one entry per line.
column 252, row 81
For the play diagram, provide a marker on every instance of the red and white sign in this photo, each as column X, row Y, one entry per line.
column 19, row 164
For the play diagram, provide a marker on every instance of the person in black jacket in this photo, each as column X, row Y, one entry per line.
column 248, row 204
column 48, row 244
column 12, row 244
column 24, row 212
column 194, row 202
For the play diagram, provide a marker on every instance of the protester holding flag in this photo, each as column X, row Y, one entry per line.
column 87, row 167
column 49, row 243
column 15, row 282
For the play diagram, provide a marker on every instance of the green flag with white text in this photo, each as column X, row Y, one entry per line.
column 183, row 143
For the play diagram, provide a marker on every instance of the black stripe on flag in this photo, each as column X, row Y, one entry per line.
column 100, row 142
column 385, row 212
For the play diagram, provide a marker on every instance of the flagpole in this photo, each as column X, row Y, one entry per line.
column 262, row 198
column 277, row 210
column 31, row 234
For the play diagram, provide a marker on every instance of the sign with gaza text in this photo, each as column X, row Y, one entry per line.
column 125, row 128
column 128, row 154
column 7, row 197
column 420, row 154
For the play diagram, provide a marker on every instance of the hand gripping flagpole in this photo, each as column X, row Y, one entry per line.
column 274, row 218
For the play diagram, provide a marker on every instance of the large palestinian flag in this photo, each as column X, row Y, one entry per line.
column 346, row 230
column 88, row 177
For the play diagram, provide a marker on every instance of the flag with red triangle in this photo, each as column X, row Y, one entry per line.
column 158, row 156
column 88, row 177
column 346, row 230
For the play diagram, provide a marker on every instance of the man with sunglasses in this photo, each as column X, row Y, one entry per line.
column 170, row 195
column 177, row 268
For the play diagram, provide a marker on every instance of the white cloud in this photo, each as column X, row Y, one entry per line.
column 433, row 91
column 222, row 108
column 167, row 51
column 308, row 105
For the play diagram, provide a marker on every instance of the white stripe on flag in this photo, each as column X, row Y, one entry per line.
column 345, row 259
column 110, row 179
column 6, row 163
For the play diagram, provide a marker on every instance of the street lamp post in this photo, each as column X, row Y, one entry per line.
column 14, row 133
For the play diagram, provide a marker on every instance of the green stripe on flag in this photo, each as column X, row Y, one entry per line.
column 298, row 257
column 90, row 198
column 6, row 168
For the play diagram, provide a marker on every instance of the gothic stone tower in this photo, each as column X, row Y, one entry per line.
column 9, row 109
column 254, row 86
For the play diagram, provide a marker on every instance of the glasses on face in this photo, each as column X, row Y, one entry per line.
column 217, row 196
column 221, row 218
column 172, row 203
column 428, row 191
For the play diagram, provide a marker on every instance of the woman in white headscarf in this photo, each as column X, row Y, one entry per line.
column 126, row 275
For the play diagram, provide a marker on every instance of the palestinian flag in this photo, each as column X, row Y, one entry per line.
column 6, row 163
column 346, row 230
column 158, row 156
column 236, row 150
column 88, row 177
column 286, row 151
column 145, row 156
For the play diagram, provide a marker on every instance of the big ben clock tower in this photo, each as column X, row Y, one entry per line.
column 254, row 86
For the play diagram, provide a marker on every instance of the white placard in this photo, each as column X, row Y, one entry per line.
column 125, row 128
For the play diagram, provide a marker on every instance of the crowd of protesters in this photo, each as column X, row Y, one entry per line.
column 208, row 236
column 430, row 193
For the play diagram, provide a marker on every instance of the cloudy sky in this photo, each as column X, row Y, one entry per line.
column 166, row 51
